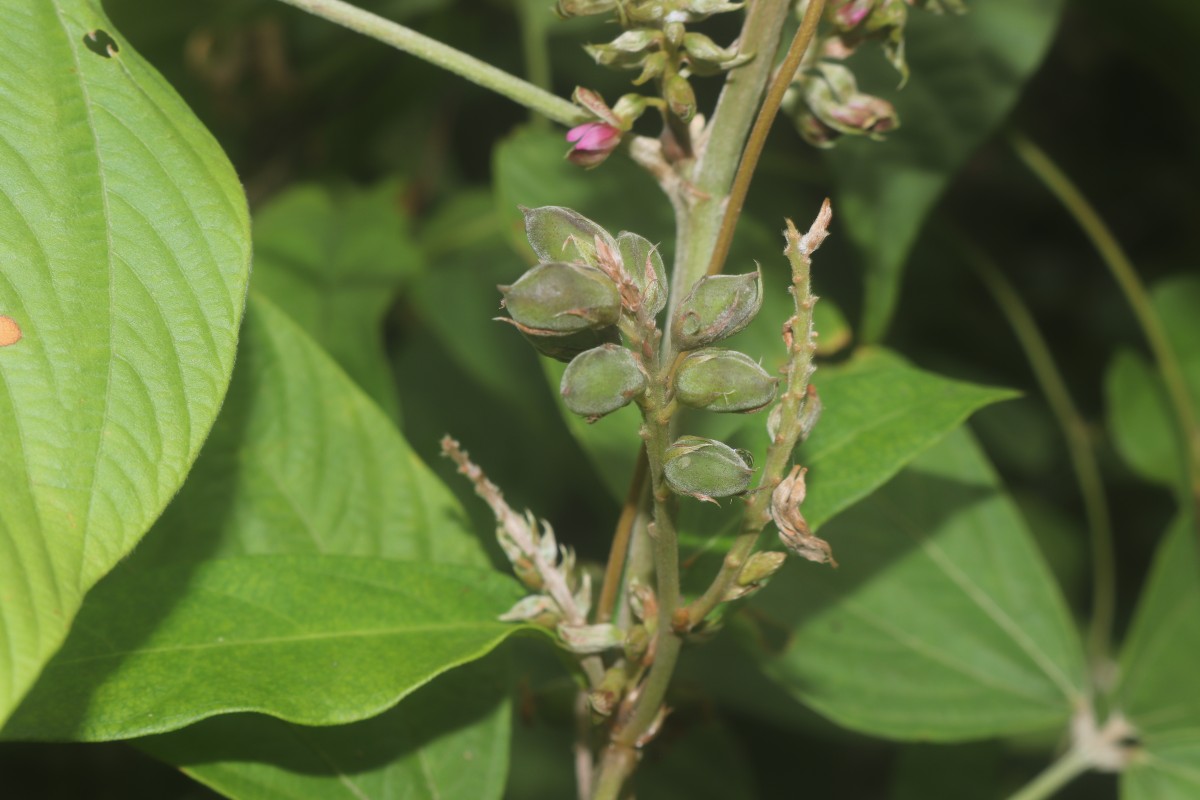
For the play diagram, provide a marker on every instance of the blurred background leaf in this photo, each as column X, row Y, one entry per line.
column 335, row 261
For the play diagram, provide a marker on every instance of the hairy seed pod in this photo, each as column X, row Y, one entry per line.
column 680, row 97
column 565, row 348
column 705, row 468
column 716, row 379
column 580, row 8
column 560, row 234
column 602, row 380
column 560, row 298
column 644, row 264
column 717, row 307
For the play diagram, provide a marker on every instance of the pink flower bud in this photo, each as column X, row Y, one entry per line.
column 852, row 12
column 593, row 141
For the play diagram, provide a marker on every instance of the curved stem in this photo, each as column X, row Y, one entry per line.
column 1135, row 292
column 762, row 128
column 792, row 405
column 448, row 58
column 1079, row 446
column 1057, row 775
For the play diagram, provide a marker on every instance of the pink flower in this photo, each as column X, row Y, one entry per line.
column 852, row 12
column 592, row 141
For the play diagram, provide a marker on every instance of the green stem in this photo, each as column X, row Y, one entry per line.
column 1135, row 292
column 699, row 212
column 698, row 220
column 762, row 128
column 448, row 58
column 616, row 764
column 1057, row 775
column 1079, row 446
column 698, row 200
column 779, row 453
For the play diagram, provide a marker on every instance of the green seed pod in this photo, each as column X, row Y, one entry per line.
column 602, row 380
column 760, row 567
column 680, row 97
column 636, row 254
column 716, row 379
column 580, row 8
column 560, row 298
column 560, row 234
column 565, row 348
column 717, row 307
column 704, row 468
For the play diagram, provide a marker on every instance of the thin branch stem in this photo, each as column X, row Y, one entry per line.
column 760, row 131
column 1079, row 445
column 1135, row 292
column 519, row 91
column 793, row 402
column 1072, row 764
column 615, row 567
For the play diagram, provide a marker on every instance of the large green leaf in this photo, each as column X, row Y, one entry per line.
column 124, row 255
column 1141, row 418
column 943, row 622
column 301, row 461
column 334, row 262
column 448, row 740
column 248, row 495
column 315, row 639
column 1159, row 688
column 879, row 413
column 966, row 74
column 1168, row 769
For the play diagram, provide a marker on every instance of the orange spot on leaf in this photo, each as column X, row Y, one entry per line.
column 10, row 331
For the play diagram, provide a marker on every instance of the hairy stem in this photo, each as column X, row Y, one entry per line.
column 448, row 58
column 698, row 220
column 1135, row 292
column 699, row 202
column 802, row 347
column 758, row 135
column 1079, row 446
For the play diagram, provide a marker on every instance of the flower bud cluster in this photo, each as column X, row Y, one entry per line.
column 656, row 44
column 824, row 98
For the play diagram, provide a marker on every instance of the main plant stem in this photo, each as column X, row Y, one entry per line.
column 444, row 56
column 701, row 215
column 758, row 135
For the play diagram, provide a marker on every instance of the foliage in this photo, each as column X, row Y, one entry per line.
column 228, row 538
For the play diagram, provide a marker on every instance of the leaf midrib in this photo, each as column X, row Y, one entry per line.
column 318, row 636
